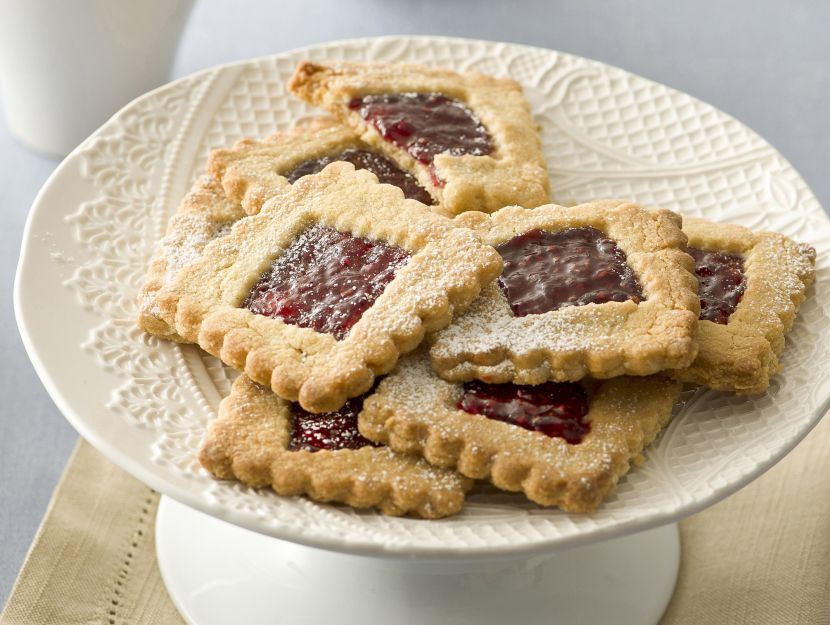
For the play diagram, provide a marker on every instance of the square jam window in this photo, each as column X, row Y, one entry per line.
column 553, row 408
column 325, row 280
column 721, row 283
column 425, row 124
column 545, row 271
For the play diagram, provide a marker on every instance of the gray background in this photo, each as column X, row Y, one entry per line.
column 764, row 62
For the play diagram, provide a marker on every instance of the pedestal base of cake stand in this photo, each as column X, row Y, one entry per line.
column 219, row 574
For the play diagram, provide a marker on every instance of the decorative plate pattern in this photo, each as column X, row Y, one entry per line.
column 606, row 133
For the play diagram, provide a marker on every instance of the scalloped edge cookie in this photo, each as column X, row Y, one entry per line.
column 742, row 355
column 254, row 170
column 601, row 340
column 249, row 442
column 446, row 271
column 413, row 411
column 515, row 172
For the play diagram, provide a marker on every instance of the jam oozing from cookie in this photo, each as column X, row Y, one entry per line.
column 425, row 124
column 552, row 408
column 386, row 171
column 328, row 430
column 721, row 283
column 546, row 271
column 326, row 280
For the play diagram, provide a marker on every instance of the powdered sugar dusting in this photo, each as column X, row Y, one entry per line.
column 189, row 233
column 183, row 246
column 625, row 414
column 488, row 326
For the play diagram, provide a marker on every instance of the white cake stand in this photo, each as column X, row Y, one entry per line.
column 231, row 554
column 246, row 577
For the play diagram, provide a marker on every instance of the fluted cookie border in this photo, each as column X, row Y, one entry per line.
column 254, row 170
column 742, row 355
column 446, row 271
column 249, row 442
column 515, row 172
column 601, row 340
column 414, row 411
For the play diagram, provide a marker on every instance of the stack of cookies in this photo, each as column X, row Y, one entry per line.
column 410, row 314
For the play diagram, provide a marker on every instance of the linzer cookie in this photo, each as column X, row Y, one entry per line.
column 324, row 288
column 203, row 215
column 469, row 137
column 601, row 289
column 564, row 444
column 239, row 181
column 263, row 440
column 751, row 285
column 254, row 170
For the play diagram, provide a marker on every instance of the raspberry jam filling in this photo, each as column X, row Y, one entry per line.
column 386, row 171
column 721, row 283
column 425, row 124
column 546, row 271
column 328, row 430
column 552, row 408
column 326, row 280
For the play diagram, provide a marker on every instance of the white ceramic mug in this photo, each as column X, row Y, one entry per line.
column 67, row 65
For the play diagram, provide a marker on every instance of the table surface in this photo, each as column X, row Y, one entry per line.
column 763, row 62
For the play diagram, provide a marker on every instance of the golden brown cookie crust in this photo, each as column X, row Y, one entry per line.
column 203, row 214
column 601, row 340
column 414, row 411
column 252, row 171
column 515, row 173
column 446, row 270
column 249, row 442
column 742, row 355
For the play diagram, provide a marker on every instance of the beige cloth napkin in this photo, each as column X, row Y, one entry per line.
column 760, row 557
